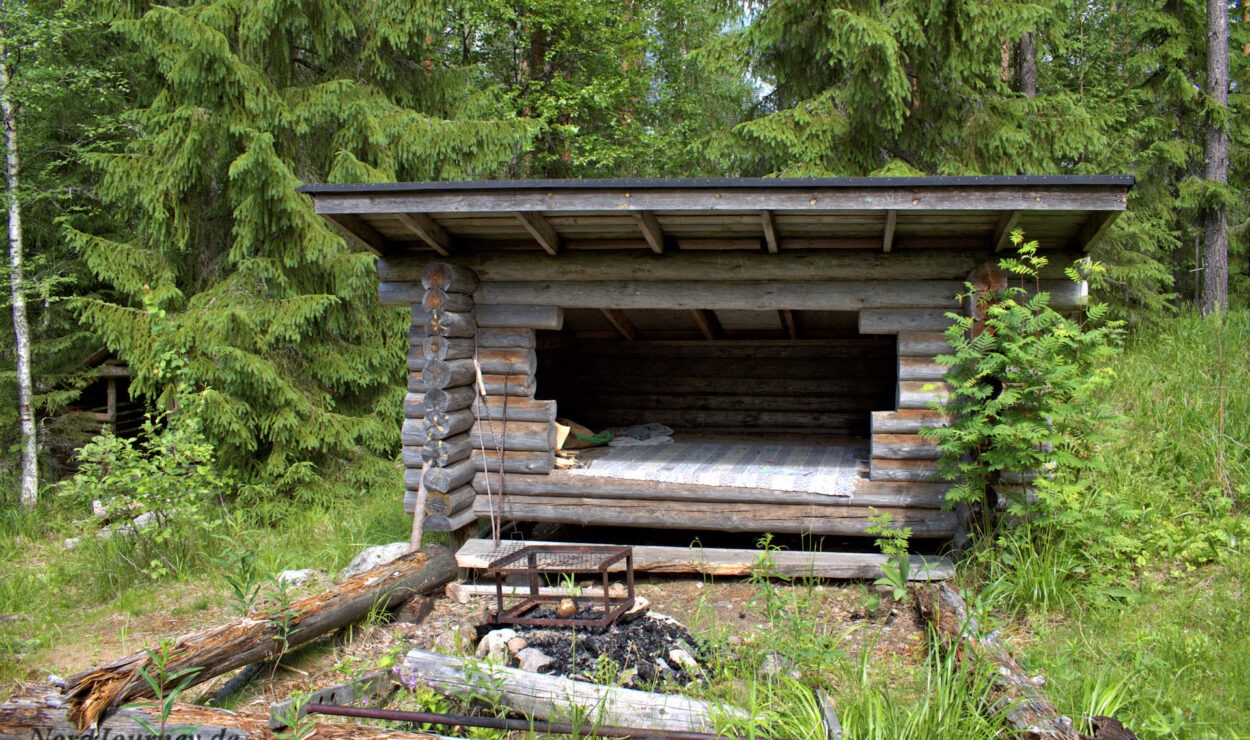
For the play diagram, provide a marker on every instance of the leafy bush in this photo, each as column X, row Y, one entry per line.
column 1028, row 391
column 161, row 486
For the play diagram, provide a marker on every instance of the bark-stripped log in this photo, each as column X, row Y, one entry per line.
column 92, row 693
column 509, row 385
column 721, row 516
column 450, row 503
column 1026, row 709
column 906, row 421
column 444, row 452
column 497, row 408
column 449, row 522
column 920, row 368
column 507, row 361
column 414, row 406
column 447, row 324
column 513, row 462
column 416, row 359
column 515, row 436
column 444, row 348
column 922, row 344
column 413, row 433
column 436, row 299
column 449, row 278
column 921, row 394
column 551, row 697
column 903, row 471
column 443, row 480
column 564, row 485
column 505, row 338
column 448, row 373
column 903, row 447
column 449, row 399
column 445, row 424
column 500, row 316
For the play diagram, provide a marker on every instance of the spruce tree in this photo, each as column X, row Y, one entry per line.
column 226, row 285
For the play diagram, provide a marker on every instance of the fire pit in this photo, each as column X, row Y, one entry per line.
column 539, row 563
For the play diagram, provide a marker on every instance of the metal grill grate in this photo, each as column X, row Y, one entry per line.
column 538, row 563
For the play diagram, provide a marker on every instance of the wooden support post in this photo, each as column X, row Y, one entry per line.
column 111, row 408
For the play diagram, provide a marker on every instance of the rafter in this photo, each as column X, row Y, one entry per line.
column 770, row 231
column 622, row 323
column 542, row 230
column 651, row 230
column 430, row 232
column 360, row 232
column 887, row 236
column 1002, row 232
column 707, row 323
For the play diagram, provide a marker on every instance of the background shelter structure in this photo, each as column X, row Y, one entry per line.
column 785, row 329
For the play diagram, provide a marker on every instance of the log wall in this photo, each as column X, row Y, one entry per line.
column 824, row 387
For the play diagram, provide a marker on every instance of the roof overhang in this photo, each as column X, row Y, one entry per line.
column 1061, row 212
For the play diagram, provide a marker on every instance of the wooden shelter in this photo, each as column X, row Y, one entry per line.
column 800, row 315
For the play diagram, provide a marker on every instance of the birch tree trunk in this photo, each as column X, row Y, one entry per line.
column 1215, row 249
column 21, row 327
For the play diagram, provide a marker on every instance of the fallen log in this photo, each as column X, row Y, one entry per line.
column 40, row 712
column 1026, row 709
column 91, row 694
column 540, row 696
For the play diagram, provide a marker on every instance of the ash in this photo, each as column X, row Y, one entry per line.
column 637, row 651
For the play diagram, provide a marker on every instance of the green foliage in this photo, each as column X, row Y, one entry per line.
column 274, row 320
column 1028, row 392
column 892, row 542
column 166, row 684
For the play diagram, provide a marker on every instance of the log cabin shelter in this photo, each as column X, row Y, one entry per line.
column 784, row 330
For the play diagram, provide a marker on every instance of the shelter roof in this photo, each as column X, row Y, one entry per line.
column 1068, row 212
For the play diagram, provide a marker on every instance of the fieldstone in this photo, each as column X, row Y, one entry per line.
column 617, row 591
column 516, row 645
column 372, row 557
column 457, row 593
column 533, row 660
column 684, row 659
column 494, row 645
column 566, row 608
column 295, row 578
column 455, row 641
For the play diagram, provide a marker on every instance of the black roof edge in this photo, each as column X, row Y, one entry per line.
column 1126, row 181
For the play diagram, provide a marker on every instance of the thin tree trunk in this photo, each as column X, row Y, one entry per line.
column 21, row 327
column 1028, row 66
column 1215, row 251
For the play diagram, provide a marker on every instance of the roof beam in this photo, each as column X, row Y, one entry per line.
column 430, row 232
column 1002, row 232
column 787, row 320
column 651, row 231
column 542, row 230
column 361, row 232
column 770, row 231
column 887, row 236
column 621, row 322
column 707, row 323
column 1093, row 229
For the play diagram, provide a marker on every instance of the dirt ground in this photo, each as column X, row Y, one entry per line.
column 729, row 608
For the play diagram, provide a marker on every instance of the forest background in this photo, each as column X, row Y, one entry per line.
column 153, row 152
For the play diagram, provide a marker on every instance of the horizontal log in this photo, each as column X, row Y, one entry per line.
column 708, row 294
column 449, row 399
column 743, row 349
column 504, row 338
column 763, row 366
column 447, row 324
column 415, row 384
column 893, row 321
column 449, row 522
column 437, row 299
column 400, row 294
column 530, row 315
column 451, row 503
column 416, row 359
column 449, row 374
column 507, row 361
column 814, row 266
column 563, row 484
column 444, row 348
column 413, row 433
column 414, row 406
column 727, row 384
column 479, row 554
column 547, row 697
column 497, row 408
column 514, row 436
column 718, row 516
column 509, row 385
column 921, row 394
column 443, row 480
column 920, row 368
column 903, row 447
column 448, row 277
column 608, row 403
column 513, row 462
column 906, row 421
column 444, row 452
column 922, row 344
column 903, row 471
column 447, row 424
column 836, row 422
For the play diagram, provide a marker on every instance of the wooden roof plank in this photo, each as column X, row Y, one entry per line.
column 430, row 232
